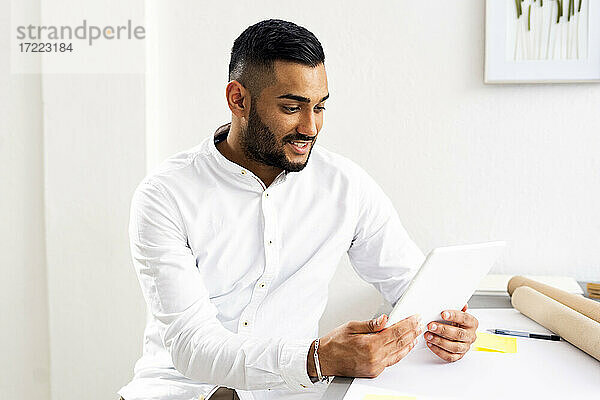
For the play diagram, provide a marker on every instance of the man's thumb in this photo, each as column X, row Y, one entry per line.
column 370, row 326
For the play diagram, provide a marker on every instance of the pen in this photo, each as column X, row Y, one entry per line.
column 524, row 334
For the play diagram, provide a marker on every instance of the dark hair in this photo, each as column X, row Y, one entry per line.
column 256, row 49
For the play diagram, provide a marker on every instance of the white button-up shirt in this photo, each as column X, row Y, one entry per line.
column 235, row 274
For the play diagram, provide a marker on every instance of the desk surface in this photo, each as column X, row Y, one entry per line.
column 339, row 386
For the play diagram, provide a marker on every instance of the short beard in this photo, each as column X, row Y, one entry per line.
column 260, row 144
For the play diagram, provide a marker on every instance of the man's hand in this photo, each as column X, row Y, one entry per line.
column 450, row 342
column 363, row 348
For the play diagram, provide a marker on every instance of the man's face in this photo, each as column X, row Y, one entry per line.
column 284, row 121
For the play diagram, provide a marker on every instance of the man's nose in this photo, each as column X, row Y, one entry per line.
column 308, row 125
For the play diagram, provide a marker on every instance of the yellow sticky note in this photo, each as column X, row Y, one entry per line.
column 494, row 343
column 387, row 397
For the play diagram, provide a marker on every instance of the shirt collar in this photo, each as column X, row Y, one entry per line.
column 228, row 165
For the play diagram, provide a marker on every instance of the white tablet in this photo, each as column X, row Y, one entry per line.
column 446, row 280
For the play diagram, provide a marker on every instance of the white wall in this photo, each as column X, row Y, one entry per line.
column 73, row 147
column 94, row 130
column 94, row 151
column 462, row 161
column 24, row 372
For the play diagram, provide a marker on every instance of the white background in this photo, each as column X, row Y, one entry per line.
column 461, row 161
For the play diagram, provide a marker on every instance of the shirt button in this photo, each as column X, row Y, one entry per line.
column 270, row 242
column 262, row 285
column 243, row 172
column 245, row 323
column 266, row 194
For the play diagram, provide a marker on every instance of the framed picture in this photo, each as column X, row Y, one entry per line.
column 540, row 41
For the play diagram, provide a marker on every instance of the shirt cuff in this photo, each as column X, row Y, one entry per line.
column 292, row 361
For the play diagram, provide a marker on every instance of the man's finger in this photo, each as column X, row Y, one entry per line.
column 396, row 356
column 452, row 332
column 370, row 326
column 407, row 339
column 451, row 346
column 401, row 328
column 461, row 318
column 443, row 354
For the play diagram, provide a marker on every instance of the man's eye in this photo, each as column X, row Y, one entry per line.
column 290, row 109
column 318, row 109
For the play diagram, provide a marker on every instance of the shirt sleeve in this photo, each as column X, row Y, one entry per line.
column 201, row 348
column 381, row 251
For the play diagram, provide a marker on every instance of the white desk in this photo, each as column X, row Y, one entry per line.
column 587, row 368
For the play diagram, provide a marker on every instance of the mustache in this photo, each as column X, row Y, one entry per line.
column 299, row 137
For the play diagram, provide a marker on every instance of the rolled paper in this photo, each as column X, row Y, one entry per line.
column 572, row 326
column 587, row 307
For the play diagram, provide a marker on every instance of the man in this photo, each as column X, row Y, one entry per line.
column 235, row 241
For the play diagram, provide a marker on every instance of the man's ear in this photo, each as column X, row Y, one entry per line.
column 238, row 99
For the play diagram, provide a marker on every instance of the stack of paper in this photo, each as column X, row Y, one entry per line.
column 495, row 285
